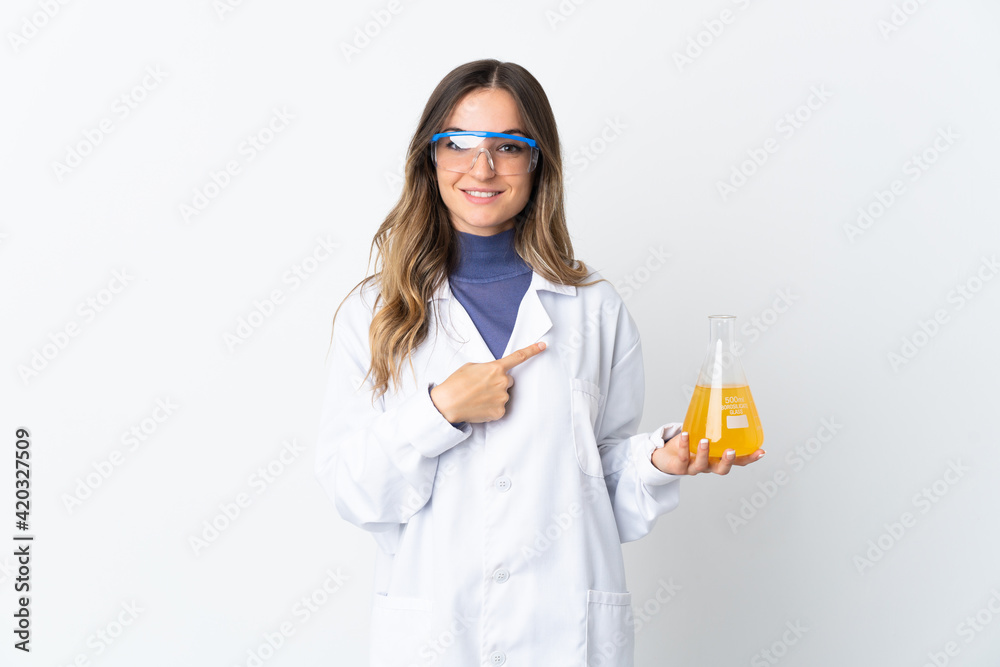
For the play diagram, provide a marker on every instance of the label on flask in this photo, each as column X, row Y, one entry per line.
column 727, row 417
column 739, row 421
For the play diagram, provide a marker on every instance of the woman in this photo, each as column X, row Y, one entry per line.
column 481, row 423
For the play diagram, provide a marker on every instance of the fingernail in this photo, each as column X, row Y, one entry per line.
column 541, row 346
column 730, row 453
column 703, row 444
column 761, row 455
column 684, row 434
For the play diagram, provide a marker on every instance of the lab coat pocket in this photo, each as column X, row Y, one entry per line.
column 586, row 400
column 400, row 627
column 610, row 629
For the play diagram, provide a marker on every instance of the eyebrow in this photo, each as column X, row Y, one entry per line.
column 511, row 131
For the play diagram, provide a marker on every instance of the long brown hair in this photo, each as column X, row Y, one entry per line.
column 417, row 245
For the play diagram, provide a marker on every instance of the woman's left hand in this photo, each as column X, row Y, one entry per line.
column 675, row 458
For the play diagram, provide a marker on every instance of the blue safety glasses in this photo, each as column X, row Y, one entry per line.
column 507, row 154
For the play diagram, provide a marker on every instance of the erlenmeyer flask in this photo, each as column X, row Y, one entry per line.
column 722, row 408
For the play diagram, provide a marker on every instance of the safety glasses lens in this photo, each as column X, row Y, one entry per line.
column 509, row 156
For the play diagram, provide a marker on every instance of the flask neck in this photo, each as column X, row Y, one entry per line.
column 722, row 329
column 722, row 365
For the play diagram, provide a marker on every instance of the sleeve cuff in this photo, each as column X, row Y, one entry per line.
column 649, row 474
column 429, row 432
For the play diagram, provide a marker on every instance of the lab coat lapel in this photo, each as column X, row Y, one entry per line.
column 459, row 327
column 533, row 320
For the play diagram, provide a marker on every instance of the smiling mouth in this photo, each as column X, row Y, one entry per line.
column 483, row 194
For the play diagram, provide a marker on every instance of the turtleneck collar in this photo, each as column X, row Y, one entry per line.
column 484, row 259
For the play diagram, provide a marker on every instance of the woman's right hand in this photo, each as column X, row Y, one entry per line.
column 477, row 393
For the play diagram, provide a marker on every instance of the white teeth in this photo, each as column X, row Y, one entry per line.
column 477, row 193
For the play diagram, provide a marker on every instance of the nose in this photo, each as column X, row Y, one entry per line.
column 482, row 169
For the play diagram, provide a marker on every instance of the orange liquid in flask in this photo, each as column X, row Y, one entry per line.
column 727, row 416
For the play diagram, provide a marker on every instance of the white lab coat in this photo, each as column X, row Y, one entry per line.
column 499, row 543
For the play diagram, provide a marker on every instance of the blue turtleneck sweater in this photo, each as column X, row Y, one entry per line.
column 490, row 281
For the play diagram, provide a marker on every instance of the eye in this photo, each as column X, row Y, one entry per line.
column 511, row 148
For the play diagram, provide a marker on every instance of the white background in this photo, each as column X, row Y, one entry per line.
column 819, row 551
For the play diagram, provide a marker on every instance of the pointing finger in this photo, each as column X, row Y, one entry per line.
column 520, row 356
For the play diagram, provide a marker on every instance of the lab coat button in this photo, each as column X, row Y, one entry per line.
column 501, row 575
column 502, row 483
column 497, row 658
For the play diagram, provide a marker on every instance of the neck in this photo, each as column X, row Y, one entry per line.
column 488, row 258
